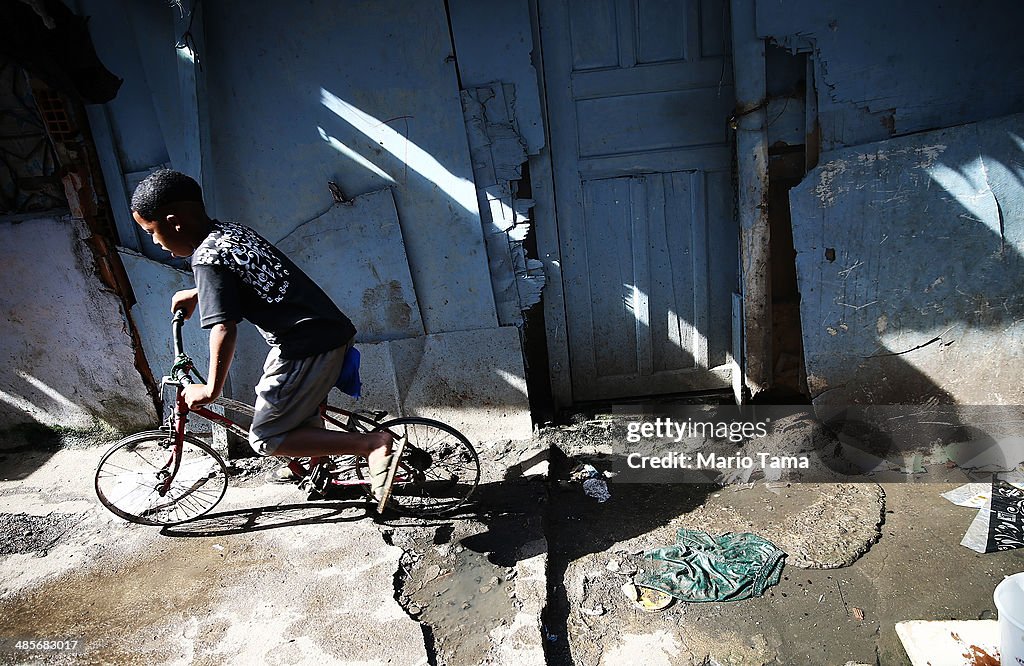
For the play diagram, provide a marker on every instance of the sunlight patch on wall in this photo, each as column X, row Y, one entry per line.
column 518, row 383
column 353, row 155
column 462, row 191
column 970, row 187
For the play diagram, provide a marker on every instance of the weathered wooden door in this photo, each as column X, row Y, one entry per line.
column 639, row 94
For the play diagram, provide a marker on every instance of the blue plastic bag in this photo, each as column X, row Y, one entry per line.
column 348, row 381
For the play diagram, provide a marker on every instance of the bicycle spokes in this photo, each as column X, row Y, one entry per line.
column 146, row 480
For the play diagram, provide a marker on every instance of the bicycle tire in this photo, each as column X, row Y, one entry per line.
column 129, row 475
column 440, row 471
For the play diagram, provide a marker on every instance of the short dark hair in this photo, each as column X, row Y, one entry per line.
column 161, row 188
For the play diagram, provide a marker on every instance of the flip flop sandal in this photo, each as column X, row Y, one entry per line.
column 647, row 599
column 383, row 494
column 379, row 474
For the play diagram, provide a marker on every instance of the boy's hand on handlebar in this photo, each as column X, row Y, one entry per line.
column 196, row 395
column 187, row 300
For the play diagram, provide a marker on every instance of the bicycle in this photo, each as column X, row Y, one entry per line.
column 169, row 476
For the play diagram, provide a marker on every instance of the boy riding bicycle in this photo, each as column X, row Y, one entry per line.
column 240, row 275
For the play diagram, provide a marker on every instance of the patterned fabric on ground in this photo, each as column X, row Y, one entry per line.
column 700, row 567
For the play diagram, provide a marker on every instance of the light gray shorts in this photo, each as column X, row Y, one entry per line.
column 289, row 394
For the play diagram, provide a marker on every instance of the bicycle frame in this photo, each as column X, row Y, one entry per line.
column 342, row 419
column 181, row 372
column 440, row 466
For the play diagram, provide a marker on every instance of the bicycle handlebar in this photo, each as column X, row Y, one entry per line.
column 179, row 353
column 176, row 324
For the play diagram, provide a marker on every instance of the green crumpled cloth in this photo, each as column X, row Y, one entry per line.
column 700, row 567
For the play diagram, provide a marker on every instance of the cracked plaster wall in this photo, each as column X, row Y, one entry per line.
column 67, row 355
column 365, row 96
column 907, row 248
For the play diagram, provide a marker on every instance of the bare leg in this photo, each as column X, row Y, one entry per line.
column 311, row 442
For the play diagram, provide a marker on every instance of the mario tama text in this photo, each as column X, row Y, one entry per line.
column 716, row 461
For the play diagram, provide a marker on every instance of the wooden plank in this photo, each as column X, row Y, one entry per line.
column 640, row 216
column 113, row 178
column 547, row 243
column 701, row 264
column 707, row 158
column 662, row 34
column 652, row 121
column 661, row 77
column 625, row 28
column 593, row 41
column 752, row 165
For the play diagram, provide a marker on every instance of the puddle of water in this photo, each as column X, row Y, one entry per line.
column 459, row 598
column 123, row 613
column 462, row 593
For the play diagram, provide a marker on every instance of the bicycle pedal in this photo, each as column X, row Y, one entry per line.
column 317, row 481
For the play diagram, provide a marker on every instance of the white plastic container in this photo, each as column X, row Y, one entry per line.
column 1009, row 598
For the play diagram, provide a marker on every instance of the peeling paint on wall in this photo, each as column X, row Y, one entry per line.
column 494, row 42
column 498, row 153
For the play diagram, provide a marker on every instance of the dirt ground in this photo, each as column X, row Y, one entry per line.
column 863, row 556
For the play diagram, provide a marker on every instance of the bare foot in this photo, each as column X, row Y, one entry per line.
column 381, row 450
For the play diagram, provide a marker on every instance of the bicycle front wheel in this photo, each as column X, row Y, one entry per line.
column 439, row 469
column 140, row 479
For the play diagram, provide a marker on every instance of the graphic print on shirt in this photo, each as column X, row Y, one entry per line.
column 247, row 255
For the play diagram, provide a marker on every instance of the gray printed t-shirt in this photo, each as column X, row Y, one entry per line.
column 241, row 275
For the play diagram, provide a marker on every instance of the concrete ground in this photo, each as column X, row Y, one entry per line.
column 267, row 577
column 528, row 574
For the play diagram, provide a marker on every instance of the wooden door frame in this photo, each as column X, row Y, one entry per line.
column 752, row 166
column 546, row 230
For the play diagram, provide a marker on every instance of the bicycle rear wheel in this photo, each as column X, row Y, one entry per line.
column 439, row 469
column 139, row 480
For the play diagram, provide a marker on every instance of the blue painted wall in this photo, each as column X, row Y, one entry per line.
column 494, row 42
column 145, row 110
column 908, row 234
column 280, row 77
column 365, row 96
column 910, row 257
column 885, row 67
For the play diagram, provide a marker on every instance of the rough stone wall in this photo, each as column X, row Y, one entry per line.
column 66, row 356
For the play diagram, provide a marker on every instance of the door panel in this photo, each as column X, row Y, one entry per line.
column 639, row 92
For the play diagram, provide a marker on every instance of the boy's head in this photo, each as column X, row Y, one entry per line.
column 168, row 205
